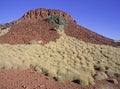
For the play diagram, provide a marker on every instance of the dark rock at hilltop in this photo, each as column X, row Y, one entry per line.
column 32, row 26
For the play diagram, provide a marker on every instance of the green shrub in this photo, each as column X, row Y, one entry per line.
column 56, row 19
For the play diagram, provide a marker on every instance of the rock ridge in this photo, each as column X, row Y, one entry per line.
column 41, row 14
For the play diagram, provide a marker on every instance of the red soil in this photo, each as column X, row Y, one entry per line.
column 29, row 79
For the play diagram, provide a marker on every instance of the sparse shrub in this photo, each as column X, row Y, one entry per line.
column 38, row 68
column 33, row 42
column 3, row 32
column 56, row 19
column 113, row 80
column 100, row 76
column 4, row 28
column 59, row 27
column 5, row 25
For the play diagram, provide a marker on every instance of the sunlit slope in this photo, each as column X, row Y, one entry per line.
column 65, row 59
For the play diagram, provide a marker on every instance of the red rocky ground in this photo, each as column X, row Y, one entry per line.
column 33, row 27
column 29, row 79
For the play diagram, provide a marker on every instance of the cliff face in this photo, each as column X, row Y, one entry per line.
column 41, row 14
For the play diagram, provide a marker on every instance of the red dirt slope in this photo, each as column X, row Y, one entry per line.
column 87, row 35
column 23, row 33
column 29, row 79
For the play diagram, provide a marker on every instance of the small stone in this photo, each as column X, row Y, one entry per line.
column 42, row 86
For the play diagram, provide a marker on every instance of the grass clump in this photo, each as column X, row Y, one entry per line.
column 100, row 76
column 66, row 59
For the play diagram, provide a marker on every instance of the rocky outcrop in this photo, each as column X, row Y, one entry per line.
column 41, row 14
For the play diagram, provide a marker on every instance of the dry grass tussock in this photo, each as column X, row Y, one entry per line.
column 4, row 31
column 65, row 59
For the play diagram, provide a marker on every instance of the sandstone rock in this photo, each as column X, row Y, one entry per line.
column 41, row 14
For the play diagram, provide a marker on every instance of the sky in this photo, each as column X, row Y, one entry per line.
column 100, row 16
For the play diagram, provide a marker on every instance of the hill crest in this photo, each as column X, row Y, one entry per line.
column 41, row 14
column 32, row 26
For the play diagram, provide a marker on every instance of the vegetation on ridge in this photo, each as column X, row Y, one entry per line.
column 56, row 19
